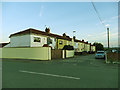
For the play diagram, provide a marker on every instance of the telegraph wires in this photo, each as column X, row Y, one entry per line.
column 97, row 13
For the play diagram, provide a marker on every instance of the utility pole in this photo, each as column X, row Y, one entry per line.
column 108, row 36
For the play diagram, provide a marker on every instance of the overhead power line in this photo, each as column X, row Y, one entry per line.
column 97, row 13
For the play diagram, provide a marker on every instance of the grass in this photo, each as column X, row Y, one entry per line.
column 92, row 73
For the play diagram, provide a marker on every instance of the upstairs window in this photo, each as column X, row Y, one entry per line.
column 60, row 42
column 37, row 39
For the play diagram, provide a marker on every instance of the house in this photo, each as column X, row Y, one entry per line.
column 36, row 38
column 79, row 45
column 87, row 47
column 3, row 44
column 32, row 38
column 63, row 40
column 93, row 49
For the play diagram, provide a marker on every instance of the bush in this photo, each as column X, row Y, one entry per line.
column 68, row 47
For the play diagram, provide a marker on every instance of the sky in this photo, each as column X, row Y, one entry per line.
column 62, row 17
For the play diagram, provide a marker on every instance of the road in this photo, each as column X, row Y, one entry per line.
column 78, row 72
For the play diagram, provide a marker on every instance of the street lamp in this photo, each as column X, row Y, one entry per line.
column 74, row 38
column 108, row 34
column 74, row 33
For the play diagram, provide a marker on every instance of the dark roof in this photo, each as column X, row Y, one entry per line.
column 3, row 44
column 76, row 40
column 30, row 30
column 92, row 45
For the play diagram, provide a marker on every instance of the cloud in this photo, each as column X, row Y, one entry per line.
column 41, row 10
column 115, row 17
column 109, row 20
column 102, row 38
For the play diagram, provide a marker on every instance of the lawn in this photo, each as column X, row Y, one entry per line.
column 78, row 72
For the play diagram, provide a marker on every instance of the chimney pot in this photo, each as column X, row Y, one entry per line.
column 47, row 30
column 64, row 34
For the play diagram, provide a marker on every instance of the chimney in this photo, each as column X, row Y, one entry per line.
column 47, row 30
column 64, row 35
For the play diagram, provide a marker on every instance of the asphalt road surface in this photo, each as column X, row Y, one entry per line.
column 78, row 72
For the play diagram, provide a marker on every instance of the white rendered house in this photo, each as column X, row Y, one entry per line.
column 32, row 38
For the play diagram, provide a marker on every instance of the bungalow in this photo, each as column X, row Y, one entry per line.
column 79, row 45
column 63, row 40
column 36, row 38
column 31, row 38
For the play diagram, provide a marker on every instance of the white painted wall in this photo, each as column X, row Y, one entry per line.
column 75, row 45
column 37, row 44
column 28, row 41
column 37, row 53
column 53, row 43
column 43, row 41
column 69, row 53
column 20, row 41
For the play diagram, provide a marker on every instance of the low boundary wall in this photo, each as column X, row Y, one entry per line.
column 38, row 53
column 69, row 53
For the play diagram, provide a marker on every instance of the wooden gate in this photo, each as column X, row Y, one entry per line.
column 56, row 54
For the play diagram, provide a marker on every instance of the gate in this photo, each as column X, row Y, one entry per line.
column 56, row 54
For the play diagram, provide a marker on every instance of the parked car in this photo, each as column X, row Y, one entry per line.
column 100, row 54
column 114, row 50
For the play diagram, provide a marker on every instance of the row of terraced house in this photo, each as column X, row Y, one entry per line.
column 36, row 38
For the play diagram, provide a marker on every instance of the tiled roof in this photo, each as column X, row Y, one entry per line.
column 79, row 41
column 30, row 30
column 3, row 44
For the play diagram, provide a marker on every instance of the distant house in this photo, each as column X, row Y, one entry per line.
column 64, row 40
column 3, row 44
column 87, row 46
column 93, row 49
column 79, row 45
column 36, row 38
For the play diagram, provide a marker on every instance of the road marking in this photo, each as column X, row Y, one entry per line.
column 49, row 74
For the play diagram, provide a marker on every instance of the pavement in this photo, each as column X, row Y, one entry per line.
column 82, row 71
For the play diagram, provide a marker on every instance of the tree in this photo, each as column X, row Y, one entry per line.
column 98, row 46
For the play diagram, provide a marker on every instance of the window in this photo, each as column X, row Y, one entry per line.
column 60, row 42
column 49, row 40
column 37, row 39
column 70, row 43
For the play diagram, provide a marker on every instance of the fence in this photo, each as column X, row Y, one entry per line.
column 113, row 57
column 38, row 53
column 56, row 54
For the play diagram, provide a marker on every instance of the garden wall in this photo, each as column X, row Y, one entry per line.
column 69, row 53
column 37, row 53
